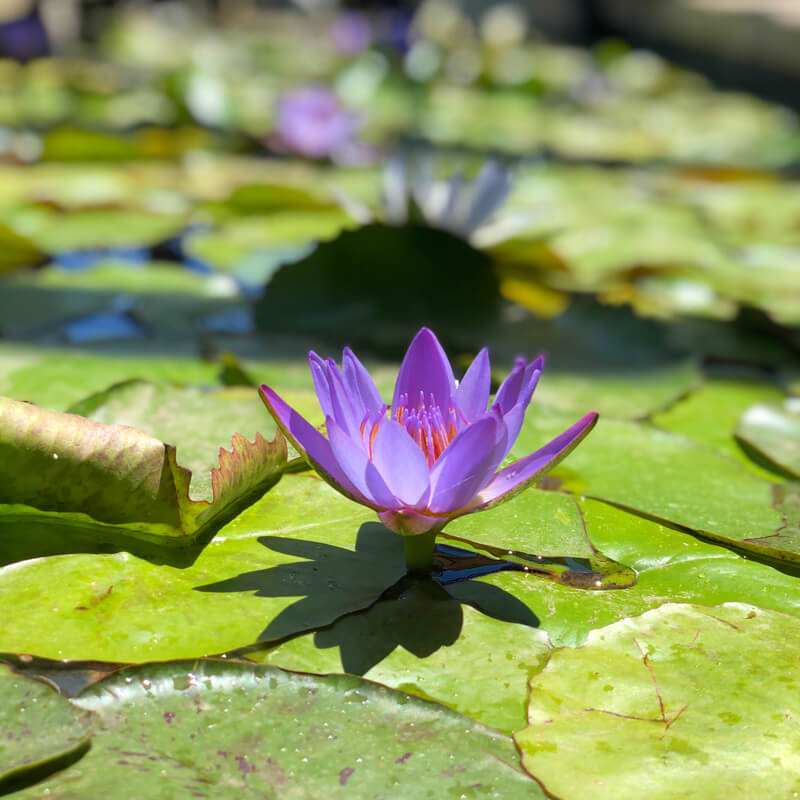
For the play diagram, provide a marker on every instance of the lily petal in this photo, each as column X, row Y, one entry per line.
column 401, row 464
column 519, row 475
column 472, row 394
column 425, row 369
column 519, row 384
column 319, row 374
column 466, row 464
column 311, row 443
column 360, row 381
column 347, row 416
column 363, row 474
column 513, row 420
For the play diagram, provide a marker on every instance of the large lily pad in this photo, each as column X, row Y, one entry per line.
column 421, row 640
column 679, row 702
column 619, row 394
column 38, row 727
column 110, row 476
column 545, row 533
column 671, row 479
column 213, row 729
column 671, row 566
column 709, row 416
column 294, row 561
column 71, row 375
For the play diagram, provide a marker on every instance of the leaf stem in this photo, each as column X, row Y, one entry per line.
column 419, row 552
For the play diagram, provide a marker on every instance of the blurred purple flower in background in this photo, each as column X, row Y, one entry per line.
column 23, row 38
column 312, row 122
column 434, row 455
column 351, row 33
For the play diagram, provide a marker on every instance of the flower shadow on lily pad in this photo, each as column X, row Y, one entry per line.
column 363, row 602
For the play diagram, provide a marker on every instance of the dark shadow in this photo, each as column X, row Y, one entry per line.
column 364, row 603
column 416, row 614
column 332, row 581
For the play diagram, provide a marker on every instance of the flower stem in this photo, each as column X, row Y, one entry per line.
column 419, row 553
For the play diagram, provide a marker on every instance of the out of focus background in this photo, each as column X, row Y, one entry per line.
column 224, row 177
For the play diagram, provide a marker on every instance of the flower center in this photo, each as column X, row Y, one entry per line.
column 427, row 424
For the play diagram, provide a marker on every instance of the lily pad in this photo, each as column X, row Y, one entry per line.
column 710, row 414
column 421, row 640
column 679, row 702
column 56, row 232
column 619, row 394
column 671, row 566
column 544, row 533
column 670, row 479
column 72, row 374
column 294, row 561
column 211, row 728
column 108, row 477
column 773, row 431
column 39, row 729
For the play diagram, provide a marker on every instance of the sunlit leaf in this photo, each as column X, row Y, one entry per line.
column 216, row 728
column 679, row 702
column 112, row 477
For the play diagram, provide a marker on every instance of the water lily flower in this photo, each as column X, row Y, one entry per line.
column 312, row 122
column 435, row 453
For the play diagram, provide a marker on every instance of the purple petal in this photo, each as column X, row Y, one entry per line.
column 311, row 443
column 363, row 474
column 401, row 464
column 360, row 381
column 319, row 374
column 513, row 422
column 519, row 475
column 467, row 464
column 425, row 369
column 519, row 384
column 472, row 394
column 347, row 416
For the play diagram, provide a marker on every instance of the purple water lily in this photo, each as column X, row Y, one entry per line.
column 434, row 454
column 312, row 122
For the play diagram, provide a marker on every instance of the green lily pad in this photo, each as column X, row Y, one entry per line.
column 38, row 727
column 56, row 232
column 709, row 415
column 294, row 561
column 419, row 639
column 72, row 374
column 671, row 566
column 668, row 478
column 212, row 729
column 622, row 394
column 195, row 420
column 679, row 702
column 773, row 431
column 110, row 477
column 545, row 533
